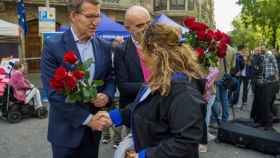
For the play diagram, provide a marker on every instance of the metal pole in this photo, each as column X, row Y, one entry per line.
column 23, row 52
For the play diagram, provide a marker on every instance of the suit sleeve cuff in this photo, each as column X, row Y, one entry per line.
column 142, row 154
column 116, row 117
column 88, row 119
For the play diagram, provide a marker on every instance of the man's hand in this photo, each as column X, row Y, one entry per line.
column 117, row 41
column 100, row 121
column 101, row 100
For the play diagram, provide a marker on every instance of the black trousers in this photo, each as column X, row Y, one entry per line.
column 245, row 81
column 88, row 148
column 204, row 139
column 262, row 105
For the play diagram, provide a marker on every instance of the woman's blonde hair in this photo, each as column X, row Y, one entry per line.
column 164, row 55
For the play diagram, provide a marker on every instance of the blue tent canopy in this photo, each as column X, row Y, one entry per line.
column 107, row 29
column 110, row 29
column 166, row 20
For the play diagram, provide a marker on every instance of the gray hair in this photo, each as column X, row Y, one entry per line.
column 75, row 5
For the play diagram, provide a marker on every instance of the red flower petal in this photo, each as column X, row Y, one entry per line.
column 71, row 82
column 200, row 52
column 58, row 85
column 79, row 74
column 218, row 35
column 201, row 35
column 188, row 22
column 222, row 48
column 70, row 57
column 60, row 73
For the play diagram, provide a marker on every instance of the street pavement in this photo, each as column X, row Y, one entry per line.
column 27, row 139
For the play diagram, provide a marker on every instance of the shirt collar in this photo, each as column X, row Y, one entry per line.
column 76, row 39
column 136, row 43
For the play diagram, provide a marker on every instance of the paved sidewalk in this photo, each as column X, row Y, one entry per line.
column 27, row 139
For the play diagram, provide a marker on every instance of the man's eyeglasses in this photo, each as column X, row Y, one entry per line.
column 90, row 17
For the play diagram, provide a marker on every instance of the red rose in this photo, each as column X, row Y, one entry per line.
column 2, row 71
column 210, row 35
column 198, row 26
column 70, row 57
column 199, row 52
column 218, row 35
column 222, row 48
column 57, row 84
column 79, row 74
column 188, row 22
column 226, row 39
column 60, row 73
column 201, row 35
column 70, row 82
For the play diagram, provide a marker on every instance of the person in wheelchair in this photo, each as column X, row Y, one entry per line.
column 23, row 90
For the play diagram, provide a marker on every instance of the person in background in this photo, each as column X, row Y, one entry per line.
column 266, row 81
column 222, row 94
column 130, row 70
column 275, row 107
column 23, row 89
column 243, row 73
column 209, row 96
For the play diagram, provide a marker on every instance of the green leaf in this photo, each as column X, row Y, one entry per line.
column 98, row 83
column 87, row 63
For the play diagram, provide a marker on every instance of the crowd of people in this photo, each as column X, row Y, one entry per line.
column 167, row 99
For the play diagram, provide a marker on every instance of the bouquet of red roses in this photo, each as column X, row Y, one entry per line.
column 209, row 45
column 76, row 83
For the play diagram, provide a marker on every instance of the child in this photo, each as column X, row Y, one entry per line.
column 23, row 90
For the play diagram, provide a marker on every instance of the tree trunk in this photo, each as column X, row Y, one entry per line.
column 274, row 37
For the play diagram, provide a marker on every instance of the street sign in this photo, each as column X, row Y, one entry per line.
column 46, row 19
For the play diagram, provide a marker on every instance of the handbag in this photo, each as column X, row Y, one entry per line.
column 228, row 81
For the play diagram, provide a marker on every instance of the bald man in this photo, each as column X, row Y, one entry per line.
column 130, row 71
column 129, row 68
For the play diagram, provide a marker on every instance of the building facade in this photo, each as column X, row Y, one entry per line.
column 176, row 9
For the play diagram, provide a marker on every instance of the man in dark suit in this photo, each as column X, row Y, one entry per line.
column 131, row 73
column 74, row 129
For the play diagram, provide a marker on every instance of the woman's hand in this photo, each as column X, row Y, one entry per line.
column 131, row 154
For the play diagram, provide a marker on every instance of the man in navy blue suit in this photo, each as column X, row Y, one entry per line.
column 130, row 70
column 74, row 129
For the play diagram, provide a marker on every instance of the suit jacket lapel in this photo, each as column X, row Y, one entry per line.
column 97, row 57
column 70, row 44
column 132, row 52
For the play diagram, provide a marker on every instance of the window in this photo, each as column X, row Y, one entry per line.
column 190, row 4
column 177, row 5
column 160, row 5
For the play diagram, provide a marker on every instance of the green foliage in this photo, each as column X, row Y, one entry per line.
column 263, row 17
column 247, row 35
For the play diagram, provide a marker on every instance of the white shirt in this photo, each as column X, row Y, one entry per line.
column 86, row 52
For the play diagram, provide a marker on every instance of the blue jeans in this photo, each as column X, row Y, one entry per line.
column 210, row 105
column 222, row 98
